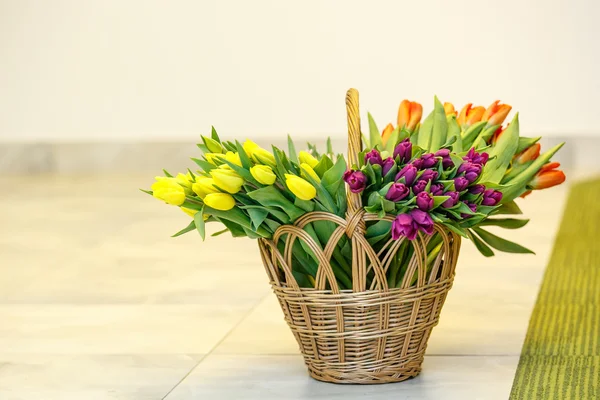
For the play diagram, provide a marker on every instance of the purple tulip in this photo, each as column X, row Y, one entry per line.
column 471, row 170
column 373, row 157
column 491, row 197
column 397, row 192
column 424, row 201
column 436, row 189
column 404, row 151
column 356, row 180
column 388, row 163
column 472, row 207
column 476, row 158
column 423, row 221
column 446, row 159
column 409, row 173
column 428, row 175
column 404, row 226
column 429, row 160
column 452, row 201
column 419, row 186
column 418, row 163
column 461, row 183
column 477, row 189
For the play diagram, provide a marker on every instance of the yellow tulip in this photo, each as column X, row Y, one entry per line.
column 185, row 181
column 263, row 174
column 168, row 190
column 204, row 186
column 227, row 180
column 300, row 187
column 214, row 157
column 308, row 171
column 258, row 154
column 220, row 201
column 306, row 157
column 233, row 158
column 192, row 213
column 212, row 145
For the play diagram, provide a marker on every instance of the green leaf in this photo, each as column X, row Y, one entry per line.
column 506, row 223
column 150, row 192
column 323, row 165
column 257, row 216
column 167, row 173
column 393, row 140
column 292, row 150
column 501, row 244
column 246, row 163
column 509, row 208
column 187, row 229
column 333, row 177
column 374, row 134
column 205, row 165
column 214, row 135
column 236, row 216
column 220, row 232
column 434, row 129
column 469, row 136
column 456, row 229
column 199, row 221
column 329, row 146
column 212, row 145
column 235, row 229
column 438, row 200
column 482, row 138
column 502, row 153
column 481, row 246
column 269, row 196
column 454, row 131
column 305, row 205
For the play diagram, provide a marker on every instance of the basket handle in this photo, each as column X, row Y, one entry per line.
column 354, row 145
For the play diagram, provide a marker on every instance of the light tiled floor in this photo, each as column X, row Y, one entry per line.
column 98, row 302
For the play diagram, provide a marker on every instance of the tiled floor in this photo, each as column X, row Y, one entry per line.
column 98, row 302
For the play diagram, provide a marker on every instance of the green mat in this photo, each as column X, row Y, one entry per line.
column 561, row 354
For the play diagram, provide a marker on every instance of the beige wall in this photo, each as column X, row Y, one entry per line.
column 122, row 70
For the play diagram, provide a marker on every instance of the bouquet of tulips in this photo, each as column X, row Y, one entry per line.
column 461, row 171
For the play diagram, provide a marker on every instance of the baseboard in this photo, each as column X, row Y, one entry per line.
column 151, row 157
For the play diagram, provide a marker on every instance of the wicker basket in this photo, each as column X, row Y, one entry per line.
column 368, row 334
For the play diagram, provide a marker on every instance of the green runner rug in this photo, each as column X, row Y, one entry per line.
column 561, row 354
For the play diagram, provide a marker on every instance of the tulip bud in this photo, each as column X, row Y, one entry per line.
column 189, row 211
column 428, row 175
column 472, row 207
column 258, row 154
column 496, row 113
column 429, row 160
column 387, row 165
column 423, row 221
column 529, row 154
column 227, row 180
column 476, row 158
column 436, row 189
column 300, row 187
column 220, row 201
column 469, row 116
column 387, row 132
column 263, row 174
column 446, row 159
column 409, row 114
column 212, row 145
column 449, row 109
column 424, row 201
column 419, row 186
column 373, row 157
column 461, row 183
column 233, row 158
column 404, row 151
column 397, row 192
column 477, row 189
column 404, row 226
column 168, row 190
column 204, row 186
column 547, row 176
column 471, row 170
column 491, row 197
column 185, row 181
column 307, row 158
column 409, row 173
column 356, row 180
column 214, row 158
column 306, row 170
column 452, row 201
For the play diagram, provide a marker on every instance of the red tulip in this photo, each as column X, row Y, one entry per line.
column 496, row 113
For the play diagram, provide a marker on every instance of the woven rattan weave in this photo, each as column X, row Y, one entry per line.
column 366, row 335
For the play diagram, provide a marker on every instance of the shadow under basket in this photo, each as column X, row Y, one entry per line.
column 372, row 333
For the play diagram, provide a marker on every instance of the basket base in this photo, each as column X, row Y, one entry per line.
column 362, row 378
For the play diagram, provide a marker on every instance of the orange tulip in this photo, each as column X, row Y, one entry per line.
column 529, row 154
column 496, row 113
column 409, row 114
column 548, row 176
column 449, row 109
column 387, row 131
column 469, row 116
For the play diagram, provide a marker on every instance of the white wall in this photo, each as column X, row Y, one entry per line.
column 138, row 69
